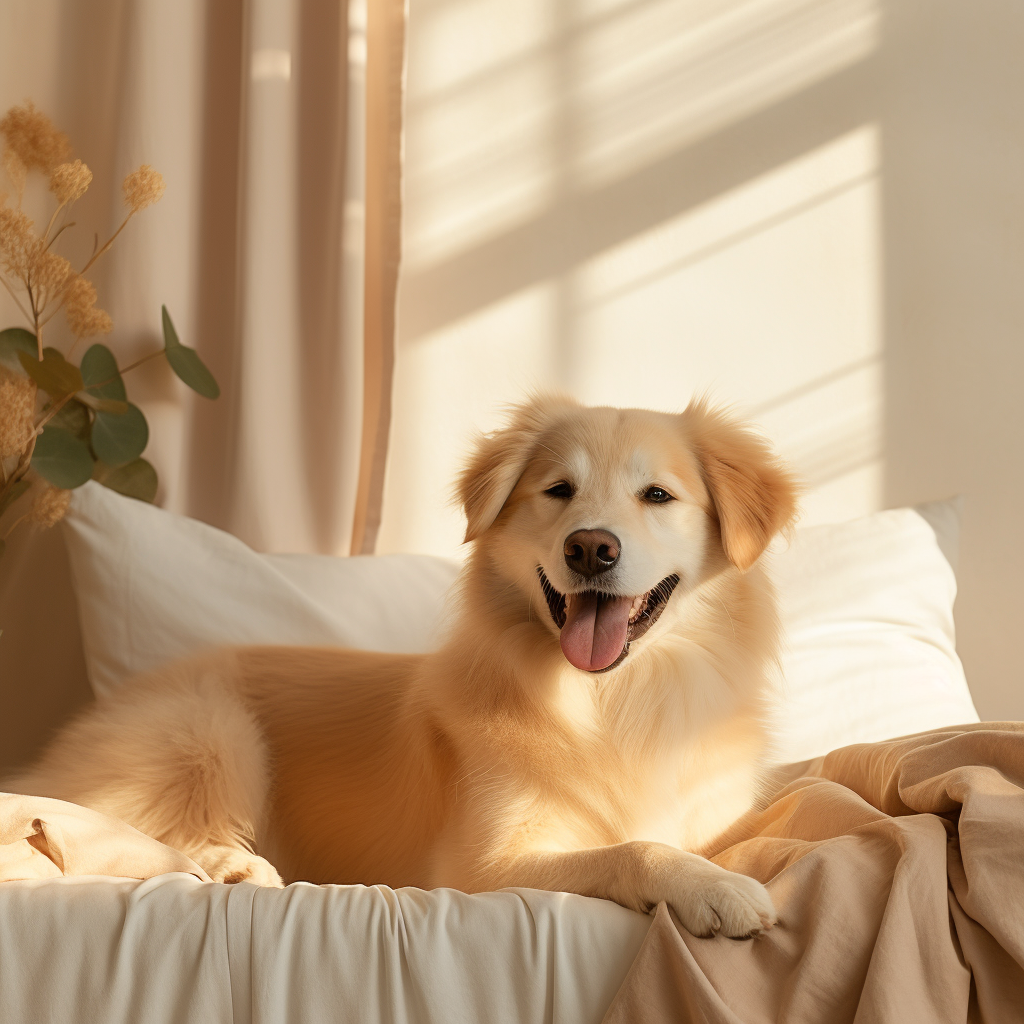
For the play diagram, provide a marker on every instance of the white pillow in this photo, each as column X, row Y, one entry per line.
column 867, row 611
column 867, row 608
column 153, row 586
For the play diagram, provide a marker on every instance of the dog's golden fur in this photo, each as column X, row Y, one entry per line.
column 493, row 761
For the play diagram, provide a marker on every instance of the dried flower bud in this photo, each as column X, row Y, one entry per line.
column 97, row 322
column 31, row 135
column 17, row 243
column 83, row 317
column 17, row 412
column 142, row 188
column 50, row 506
column 69, row 182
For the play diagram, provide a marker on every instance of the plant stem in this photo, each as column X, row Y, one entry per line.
column 16, row 299
column 59, row 232
column 52, row 219
column 53, row 412
column 130, row 366
column 56, row 309
column 35, row 320
column 106, row 245
column 138, row 362
column 17, row 522
column 92, row 259
column 47, row 416
column 22, row 468
column 56, row 408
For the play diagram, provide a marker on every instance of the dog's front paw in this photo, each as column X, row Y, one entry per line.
column 226, row 864
column 710, row 900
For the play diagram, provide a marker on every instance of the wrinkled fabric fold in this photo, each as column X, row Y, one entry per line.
column 897, row 869
column 44, row 838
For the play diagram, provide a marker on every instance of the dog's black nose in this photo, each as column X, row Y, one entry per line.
column 590, row 552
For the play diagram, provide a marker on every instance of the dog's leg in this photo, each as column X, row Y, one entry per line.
column 706, row 898
column 178, row 756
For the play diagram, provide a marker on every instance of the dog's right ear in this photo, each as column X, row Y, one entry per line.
column 499, row 460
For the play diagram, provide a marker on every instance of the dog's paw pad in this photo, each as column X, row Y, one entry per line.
column 727, row 904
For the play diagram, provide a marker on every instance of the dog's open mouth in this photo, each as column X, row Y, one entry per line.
column 597, row 628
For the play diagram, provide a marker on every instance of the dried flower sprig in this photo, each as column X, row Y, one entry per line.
column 32, row 142
column 59, row 422
column 31, row 137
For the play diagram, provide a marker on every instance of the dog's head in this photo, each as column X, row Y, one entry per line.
column 599, row 517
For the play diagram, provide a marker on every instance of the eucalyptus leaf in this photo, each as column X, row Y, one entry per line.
column 185, row 362
column 16, row 491
column 136, row 479
column 101, row 374
column 15, row 340
column 61, row 458
column 120, row 438
column 72, row 417
column 55, row 375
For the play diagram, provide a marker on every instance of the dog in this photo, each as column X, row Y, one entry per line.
column 598, row 714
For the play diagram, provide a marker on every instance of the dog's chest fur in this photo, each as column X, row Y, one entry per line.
column 611, row 760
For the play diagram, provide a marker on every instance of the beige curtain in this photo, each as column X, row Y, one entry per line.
column 277, row 126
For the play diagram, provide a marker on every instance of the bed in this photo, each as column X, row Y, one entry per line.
column 173, row 949
column 870, row 655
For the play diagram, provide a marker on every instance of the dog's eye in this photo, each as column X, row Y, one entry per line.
column 657, row 495
column 561, row 490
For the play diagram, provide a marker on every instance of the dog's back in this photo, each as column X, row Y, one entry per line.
column 361, row 773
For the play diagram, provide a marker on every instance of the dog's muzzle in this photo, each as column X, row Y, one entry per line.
column 597, row 627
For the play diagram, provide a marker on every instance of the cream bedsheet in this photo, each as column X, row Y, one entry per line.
column 177, row 948
column 173, row 949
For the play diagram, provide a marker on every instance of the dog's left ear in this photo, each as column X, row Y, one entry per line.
column 499, row 460
column 753, row 494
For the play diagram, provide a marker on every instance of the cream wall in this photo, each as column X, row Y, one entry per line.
column 812, row 209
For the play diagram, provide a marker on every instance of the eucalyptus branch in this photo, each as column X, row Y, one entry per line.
column 73, row 450
column 131, row 366
column 47, row 416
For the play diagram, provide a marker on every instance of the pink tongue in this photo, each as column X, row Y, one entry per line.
column 595, row 631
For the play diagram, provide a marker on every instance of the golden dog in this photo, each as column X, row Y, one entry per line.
column 597, row 714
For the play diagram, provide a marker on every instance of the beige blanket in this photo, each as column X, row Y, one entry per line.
column 897, row 869
column 43, row 838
